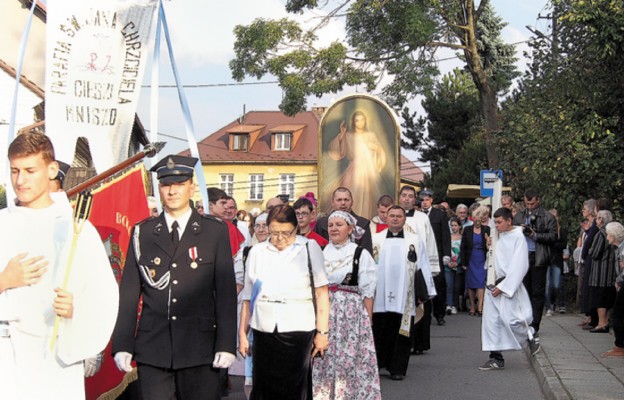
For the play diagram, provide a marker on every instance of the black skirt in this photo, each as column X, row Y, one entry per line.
column 602, row 297
column 282, row 365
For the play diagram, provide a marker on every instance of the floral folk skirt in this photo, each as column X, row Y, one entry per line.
column 349, row 368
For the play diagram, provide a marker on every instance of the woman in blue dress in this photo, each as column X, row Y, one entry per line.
column 472, row 256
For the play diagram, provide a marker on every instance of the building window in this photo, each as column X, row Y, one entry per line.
column 256, row 186
column 226, row 183
column 287, row 185
column 281, row 141
column 239, row 141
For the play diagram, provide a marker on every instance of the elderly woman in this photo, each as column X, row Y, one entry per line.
column 472, row 253
column 260, row 234
column 603, row 273
column 349, row 368
column 286, row 303
column 615, row 236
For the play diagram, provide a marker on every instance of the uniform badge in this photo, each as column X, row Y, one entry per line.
column 193, row 256
column 152, row 272
column 157, row 260
column 170, row 163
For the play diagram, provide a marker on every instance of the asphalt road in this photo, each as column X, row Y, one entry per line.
column 450, row 370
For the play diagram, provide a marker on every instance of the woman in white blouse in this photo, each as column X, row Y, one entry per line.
column 278, row 304
column 349, row 368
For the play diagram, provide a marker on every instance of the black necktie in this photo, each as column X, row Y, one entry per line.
column 175, row 235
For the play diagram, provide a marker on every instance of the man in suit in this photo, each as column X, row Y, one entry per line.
column 442, row 233
column 181, row 263
column 343, row 200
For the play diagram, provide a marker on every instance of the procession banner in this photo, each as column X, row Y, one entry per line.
column 117, row 206
column 359, row 140
column 96, row 53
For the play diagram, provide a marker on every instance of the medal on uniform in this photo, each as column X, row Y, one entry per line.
column 157, row 260
column 193, row 255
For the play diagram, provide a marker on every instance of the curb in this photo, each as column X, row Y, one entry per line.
column 551, row 385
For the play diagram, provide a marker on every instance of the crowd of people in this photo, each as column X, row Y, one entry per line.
column 319, row 306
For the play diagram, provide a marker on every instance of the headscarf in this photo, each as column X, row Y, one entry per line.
column 357, row 231
column 261, row 218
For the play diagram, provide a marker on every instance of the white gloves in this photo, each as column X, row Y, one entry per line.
column 446, row 260
column 123, row 360
column 223, row 359
column 92, row 365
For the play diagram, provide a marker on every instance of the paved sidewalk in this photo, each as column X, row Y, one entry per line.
column 569, row 366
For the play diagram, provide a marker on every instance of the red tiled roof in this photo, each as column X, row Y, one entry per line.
column 214, row 149
column 410, row 171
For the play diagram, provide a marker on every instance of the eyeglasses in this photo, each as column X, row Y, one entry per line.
column 261, row 226
column 283, row 235
column 302, row 214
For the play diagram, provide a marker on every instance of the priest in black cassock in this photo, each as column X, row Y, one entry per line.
column 403, row 268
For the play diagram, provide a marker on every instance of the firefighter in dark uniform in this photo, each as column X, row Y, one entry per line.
column 181, row 263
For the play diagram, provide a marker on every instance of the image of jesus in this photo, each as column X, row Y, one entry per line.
column 367, row 158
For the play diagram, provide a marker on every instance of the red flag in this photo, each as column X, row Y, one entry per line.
column 236, row 237
column 117, row 206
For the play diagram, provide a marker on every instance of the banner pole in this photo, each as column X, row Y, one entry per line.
column 148, row 151
column 18, row 76
column 188, row 123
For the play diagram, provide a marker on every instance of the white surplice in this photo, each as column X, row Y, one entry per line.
column 506, row 318
column 420, row 225
column 395, row 276
column 36, row 371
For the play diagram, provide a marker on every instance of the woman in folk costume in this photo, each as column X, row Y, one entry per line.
column 349, row 368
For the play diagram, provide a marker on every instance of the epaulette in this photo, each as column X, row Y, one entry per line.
column 213, row 218
column 145, row 220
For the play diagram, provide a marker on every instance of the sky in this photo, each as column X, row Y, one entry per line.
column 202, row 40
column 202, row 44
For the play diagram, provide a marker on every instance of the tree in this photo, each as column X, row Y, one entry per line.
column 396, row 39
column 452, row 110
column 463, row 165
column 563, row 129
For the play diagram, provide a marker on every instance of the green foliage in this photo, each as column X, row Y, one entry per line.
column 297, row 6
column 301, row 69
column 563, row 131
column 452, row 113
column 497, row 57
column 462, row 166
column 388, row 43
column 395, row 39
column 3, row 200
